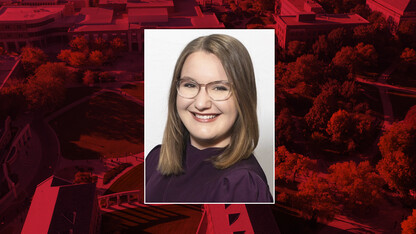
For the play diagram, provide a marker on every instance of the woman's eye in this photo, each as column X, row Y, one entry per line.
column 220, row 88
column 189, row 85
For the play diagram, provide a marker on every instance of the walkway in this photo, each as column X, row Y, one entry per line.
column 383, row 89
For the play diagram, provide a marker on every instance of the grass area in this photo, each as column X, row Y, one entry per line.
column 76, row 93
column 105, row 126
column 135, row 90
column 401, row 103
column 153, row 219
column 132, row 180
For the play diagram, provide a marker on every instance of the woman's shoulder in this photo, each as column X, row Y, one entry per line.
column 244, row 182
column 154, row 152
column 152, row 158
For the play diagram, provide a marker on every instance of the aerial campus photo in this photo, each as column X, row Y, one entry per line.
column 72, row 116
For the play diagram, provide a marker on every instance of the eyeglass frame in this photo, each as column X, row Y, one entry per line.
column 204, row 85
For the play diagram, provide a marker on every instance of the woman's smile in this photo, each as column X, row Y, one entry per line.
column 205, row 118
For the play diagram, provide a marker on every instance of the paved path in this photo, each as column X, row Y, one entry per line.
column 383, row 89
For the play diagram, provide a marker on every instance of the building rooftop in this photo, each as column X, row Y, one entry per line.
column 325, row 19
column 140, row 15
column 300, row 4
column 95, row 15
column 149, row 3
column 58, row 206
column 24, row 13
column 44, row 1
column 399, row 6
column 115, row 25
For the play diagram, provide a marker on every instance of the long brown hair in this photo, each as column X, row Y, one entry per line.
column 237, row 64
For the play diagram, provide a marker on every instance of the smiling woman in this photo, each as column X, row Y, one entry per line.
column 212, row 129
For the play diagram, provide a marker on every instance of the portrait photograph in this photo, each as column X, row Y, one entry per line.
column 209, row 116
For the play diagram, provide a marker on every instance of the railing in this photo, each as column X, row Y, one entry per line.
column 107, row 201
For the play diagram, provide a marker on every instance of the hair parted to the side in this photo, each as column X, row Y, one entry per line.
column 238, row 67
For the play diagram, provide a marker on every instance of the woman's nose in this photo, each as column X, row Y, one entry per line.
column 202, row 100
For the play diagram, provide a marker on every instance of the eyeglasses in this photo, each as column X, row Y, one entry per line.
column 217, row 90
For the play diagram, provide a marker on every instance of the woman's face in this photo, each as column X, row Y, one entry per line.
column 209, row 122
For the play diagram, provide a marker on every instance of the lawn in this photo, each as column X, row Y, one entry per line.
column 135, row 90
column 153, row 219
column 132, row 180
column 105, row 126
column 401, row 103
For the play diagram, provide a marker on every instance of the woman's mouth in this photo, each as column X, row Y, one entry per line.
column 204, row 118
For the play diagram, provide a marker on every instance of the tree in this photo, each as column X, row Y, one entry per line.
column 409, row 225
column 351, row 130
column 366, row 56
column 364, row 33
column 284, row 128
column 89, row 77
column 296, row 48
column 97, row 58
column 356, row 186
column 99, row 44
column 117, row 44
column 346, row 58
column 340, row 126
column 44, row 92
column 289, row 165
column 78, row 59
column 316, row 199
column 338, row 38
column 267, row 5
column 55, row 70
column 79, row 43
column 32, row 57
column 411, row 116
column 64, row 56
column 408, row 55
column 398, row 163
column 357, row 58
column 307, row 68
column 407, row 33
column 407, row 60
column 324, row 105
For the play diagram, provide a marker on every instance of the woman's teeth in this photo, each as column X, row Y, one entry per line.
column 205, row 116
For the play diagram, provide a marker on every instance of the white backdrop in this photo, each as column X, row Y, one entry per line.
column 162, row 49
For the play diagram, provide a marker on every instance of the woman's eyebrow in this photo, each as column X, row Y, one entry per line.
column 186, row 78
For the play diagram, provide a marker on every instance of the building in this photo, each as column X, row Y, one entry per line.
column 395, row 11
column 59, row 206
column 99, row 22
column 33, row 25
column 294, row 7
column 126, row 19
column 307, row 27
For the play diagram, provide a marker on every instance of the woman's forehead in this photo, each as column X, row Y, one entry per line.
column 203, row 67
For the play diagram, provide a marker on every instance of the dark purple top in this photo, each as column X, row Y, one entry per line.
column 202, row 182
